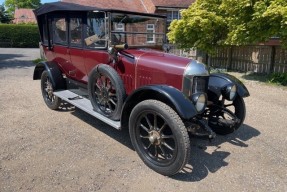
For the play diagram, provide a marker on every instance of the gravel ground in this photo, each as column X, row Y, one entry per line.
column 68, row 150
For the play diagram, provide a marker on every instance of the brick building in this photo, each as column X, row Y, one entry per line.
column 166, row 7
column 24, row 16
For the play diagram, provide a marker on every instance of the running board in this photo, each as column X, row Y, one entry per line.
column 85, row 105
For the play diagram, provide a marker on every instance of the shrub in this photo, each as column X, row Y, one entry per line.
column 20, row 35
column 279, row 78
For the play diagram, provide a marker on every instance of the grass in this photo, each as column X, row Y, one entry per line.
column 256, row 77
column 277, row 79
column 38, row 60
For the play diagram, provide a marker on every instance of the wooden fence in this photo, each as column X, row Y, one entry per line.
column 258, row 59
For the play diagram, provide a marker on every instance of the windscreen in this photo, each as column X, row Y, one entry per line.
column 137, row 31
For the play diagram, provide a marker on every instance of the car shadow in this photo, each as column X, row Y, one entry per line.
column 120, row 136
column 14, row 61
column 66, row 107
column 202, row 160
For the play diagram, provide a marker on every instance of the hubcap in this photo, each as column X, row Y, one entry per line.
column 155, row 138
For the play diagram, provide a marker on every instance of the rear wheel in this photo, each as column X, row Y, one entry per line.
column 159, row 137
column 52, row 101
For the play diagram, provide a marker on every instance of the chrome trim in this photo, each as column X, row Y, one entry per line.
column 194, row 68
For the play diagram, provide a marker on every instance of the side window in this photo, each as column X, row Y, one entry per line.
column 47, row 30
column 76, row 31
column 60, row 31
column 96, row 34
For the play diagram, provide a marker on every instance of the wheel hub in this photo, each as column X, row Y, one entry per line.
column 105, row 95
column 154, row 138
column 49, row 89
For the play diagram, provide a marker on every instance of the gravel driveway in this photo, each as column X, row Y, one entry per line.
column 45, row 150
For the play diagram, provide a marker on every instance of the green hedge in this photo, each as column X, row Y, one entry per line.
column 19, row 35
column 279, row 78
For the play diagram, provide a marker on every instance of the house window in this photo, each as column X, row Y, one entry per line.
column 172, row 15
column 150, row 36
column 119, row 27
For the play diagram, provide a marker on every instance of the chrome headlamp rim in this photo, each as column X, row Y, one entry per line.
column 199, row 100
column 229, row 92
column 193, row 69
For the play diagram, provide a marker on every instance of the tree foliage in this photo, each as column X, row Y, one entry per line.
column 4, row 16
column 210, row 23
column 13, row 4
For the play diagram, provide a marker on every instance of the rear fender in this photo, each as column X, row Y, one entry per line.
column 217, row 81
column 54, row 73
column 166, row 94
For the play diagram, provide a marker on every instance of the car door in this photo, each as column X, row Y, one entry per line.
column 95, row 40
column 76, row 51
column 60, row 45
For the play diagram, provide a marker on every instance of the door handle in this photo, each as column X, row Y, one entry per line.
column 73, row 72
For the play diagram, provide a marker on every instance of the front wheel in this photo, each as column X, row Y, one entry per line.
column 159, row 137
column 227, row 117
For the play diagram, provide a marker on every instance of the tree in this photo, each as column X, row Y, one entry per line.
column 210, row 23
column 13, row 4
column 4, row 16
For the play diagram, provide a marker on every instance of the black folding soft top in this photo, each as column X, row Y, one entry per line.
column 63, row 6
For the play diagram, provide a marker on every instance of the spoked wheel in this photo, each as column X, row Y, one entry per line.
column 159, row 137
column 106, row 91
column 52, row 101
column 105, row 95
column 227, row 117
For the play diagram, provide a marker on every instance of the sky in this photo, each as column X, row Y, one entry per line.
column 42, row 1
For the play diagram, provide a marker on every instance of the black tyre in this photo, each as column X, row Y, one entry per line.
column 159, row 137
column 52, row 101
column 106, row 91
column 228, row 117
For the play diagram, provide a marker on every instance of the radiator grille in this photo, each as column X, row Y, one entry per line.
column 200, row 84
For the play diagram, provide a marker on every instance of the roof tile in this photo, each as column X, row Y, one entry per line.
column 24, row 16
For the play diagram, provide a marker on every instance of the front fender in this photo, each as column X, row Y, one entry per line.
column 54, row 72
column 217, row 81
column 167, row 94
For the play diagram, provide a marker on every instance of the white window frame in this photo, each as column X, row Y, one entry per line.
column 119, row 27
column 172, row 15
column 150, row 28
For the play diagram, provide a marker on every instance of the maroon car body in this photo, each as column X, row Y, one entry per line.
column 148, row 66
column 113, row 64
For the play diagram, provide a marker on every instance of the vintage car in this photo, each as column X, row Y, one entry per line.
column 113, row 65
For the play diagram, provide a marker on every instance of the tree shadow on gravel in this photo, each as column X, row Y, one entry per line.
column 14, row 61
column 202, row 162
